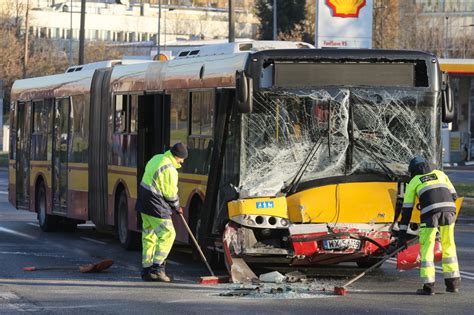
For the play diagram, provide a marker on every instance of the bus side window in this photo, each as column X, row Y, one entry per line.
column 179, row 111
column 133, row 113
column 79, row 130
column 39, row 134
column 13, row 131
column 122, row 105
column 200, row 141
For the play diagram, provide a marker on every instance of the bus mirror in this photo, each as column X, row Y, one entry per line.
column 244, row 91
column 447, row 103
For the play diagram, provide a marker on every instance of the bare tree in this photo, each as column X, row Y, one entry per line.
column 98, row 51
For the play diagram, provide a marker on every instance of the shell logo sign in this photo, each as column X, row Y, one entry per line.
column 346, row 8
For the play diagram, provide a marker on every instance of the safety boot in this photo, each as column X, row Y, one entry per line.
column 428, row 289
column 158, row 272
column 148, row 275
column 452, row 284
column 161, row 276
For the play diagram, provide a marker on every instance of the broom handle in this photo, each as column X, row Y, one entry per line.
column 197, row 245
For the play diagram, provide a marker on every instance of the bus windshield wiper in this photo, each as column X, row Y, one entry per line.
column 299, row 174
column 387, row 171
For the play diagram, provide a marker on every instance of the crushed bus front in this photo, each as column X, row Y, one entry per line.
column 326, row 225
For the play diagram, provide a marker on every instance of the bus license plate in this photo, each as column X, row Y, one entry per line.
column 341, row 244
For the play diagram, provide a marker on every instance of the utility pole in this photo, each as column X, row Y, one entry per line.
column 159, row 30
column 26, row 43
column 446, row 34
column 231, row 22
column 70, row 35
column 81, row 32
column 274, row 19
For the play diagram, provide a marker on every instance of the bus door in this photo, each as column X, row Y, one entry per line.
column 153, row 111
column 60, row 154
column 23, row 148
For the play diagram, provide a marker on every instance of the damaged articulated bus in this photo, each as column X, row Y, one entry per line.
column 324, row 148
column 296, row 155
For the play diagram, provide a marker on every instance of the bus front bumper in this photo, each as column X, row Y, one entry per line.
column 307, row 244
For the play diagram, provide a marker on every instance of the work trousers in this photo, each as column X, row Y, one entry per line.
column 157, row 239
column 427, row 243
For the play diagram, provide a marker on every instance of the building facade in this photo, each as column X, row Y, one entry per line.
column 137, row 21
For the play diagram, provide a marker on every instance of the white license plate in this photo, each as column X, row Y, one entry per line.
column 341, row 244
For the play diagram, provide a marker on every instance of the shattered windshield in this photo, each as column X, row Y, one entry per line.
column 350, row 131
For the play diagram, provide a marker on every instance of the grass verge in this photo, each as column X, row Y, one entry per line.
column 464, row 190
column 467, row 208
column 467, row 191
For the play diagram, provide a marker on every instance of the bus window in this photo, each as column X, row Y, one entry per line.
column 133, row 114
column 13, row 131
column 122, row 103
column 179, row 117
column 79, row 128
column 202, row 113
column 200, row 141
column 39, row 135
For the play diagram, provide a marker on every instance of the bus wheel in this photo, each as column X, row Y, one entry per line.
column 47, row 222
column 69, row 225
column 128, row 239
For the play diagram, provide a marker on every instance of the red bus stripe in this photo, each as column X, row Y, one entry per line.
column 193, row 181
column 130, row 173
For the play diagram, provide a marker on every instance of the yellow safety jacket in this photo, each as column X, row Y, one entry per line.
column 158, row 190
column 436, row 194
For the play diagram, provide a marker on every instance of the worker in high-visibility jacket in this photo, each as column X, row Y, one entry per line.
column 437, row 198
column 157, row 199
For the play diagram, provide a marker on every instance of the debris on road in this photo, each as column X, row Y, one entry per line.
column 277, row 291
column 272, row 277
column 295, row 276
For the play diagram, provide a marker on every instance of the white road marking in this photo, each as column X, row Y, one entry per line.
column 2, row 229
column 93, row 240
column 83, row 306
column 33, row 224
column 9, row 301
column 32, row 254
column 464, row 274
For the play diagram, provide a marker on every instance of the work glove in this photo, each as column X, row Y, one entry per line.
column 179, row 210
column 402, row 239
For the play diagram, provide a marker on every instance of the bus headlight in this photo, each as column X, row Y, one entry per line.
column 262, row 221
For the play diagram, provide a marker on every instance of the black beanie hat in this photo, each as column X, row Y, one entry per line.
column 179, row 150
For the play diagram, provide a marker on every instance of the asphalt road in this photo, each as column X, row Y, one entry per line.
column 119, row 290
column 461, row 175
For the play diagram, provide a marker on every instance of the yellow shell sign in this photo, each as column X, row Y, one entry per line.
column 346, row 8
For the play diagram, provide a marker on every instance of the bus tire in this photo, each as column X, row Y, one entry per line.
column 47, row 222
column 128, row 239
column 69, row 225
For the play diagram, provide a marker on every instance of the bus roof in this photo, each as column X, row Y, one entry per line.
column 213, row 66
column 58, row 85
